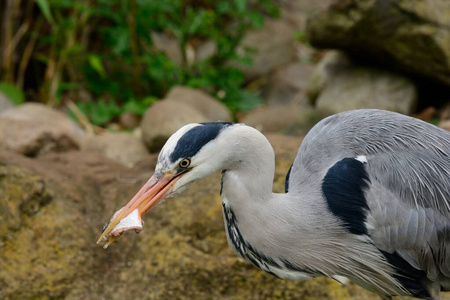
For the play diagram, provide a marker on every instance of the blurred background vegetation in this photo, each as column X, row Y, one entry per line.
column 101, row 54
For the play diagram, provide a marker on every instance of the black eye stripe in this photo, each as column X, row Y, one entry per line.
column 197, row 137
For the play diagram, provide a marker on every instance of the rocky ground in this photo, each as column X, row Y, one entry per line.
column 60, row 182
column 52, row 211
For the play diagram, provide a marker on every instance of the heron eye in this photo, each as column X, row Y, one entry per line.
column 184, row 163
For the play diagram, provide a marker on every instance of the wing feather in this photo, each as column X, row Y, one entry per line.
column 408, row 210
column 409, row 169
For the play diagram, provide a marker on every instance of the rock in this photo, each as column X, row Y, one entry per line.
column 297, row 11
column 445, row 124
column 444, row 120
column 274, row 45
column 120, row 147
column 137, row 133
column 5, row 103
column 34, row 129
column 328, row 68
column 163, row 118
column 338, row 85
column 287, row 82
column 211, row 108
column 288, row 119
column 206, row 50
column 53, row 250
column 412, row 35
column 22, row 194
column 427, row 114
column 445, row 112
column 169, row 45
column 129, row 120
column 182, row 250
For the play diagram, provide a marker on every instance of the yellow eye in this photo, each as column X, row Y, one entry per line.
column 184, row 163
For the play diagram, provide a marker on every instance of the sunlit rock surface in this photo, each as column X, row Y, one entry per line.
column 35, row 129
column 120, row 147
column 210, row 107
column 165, row 117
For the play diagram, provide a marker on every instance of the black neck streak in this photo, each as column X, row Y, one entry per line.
column 244, row 249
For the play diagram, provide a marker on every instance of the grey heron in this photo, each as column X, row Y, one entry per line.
column 367, row 198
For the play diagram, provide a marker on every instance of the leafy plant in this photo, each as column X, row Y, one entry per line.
column 15, row 94
column 100, row 112
column 106, row 47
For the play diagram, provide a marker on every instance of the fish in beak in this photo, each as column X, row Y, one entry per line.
column 129, row 217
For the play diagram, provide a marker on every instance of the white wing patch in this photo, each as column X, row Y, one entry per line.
column 362, row 158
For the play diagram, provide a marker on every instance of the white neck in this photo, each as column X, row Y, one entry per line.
column 250, row 171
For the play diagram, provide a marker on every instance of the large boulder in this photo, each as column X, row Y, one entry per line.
column 120, row 147
column 34, row 129
column 413, row 35
column 181, row 254
column 163, row 118
column 338, row 85
column 211, row 108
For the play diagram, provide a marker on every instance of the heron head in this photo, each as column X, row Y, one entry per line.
column 191, row 153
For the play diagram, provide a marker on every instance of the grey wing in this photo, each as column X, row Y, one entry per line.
column 408, row 166
column 413, row 156
column 409, row 208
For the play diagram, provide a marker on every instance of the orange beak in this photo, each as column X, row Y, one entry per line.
column 153, row 192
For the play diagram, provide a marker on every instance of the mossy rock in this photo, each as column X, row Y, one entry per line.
column 22, row 194
column 410, row 35
column 181, row 254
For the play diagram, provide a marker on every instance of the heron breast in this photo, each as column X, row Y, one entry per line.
column 278, row 267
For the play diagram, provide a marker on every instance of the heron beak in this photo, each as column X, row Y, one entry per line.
column 152, row 193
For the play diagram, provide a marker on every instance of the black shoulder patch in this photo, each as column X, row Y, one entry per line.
column 193, row 140
column 410, row 277
column 286, row 181
column 344, row 189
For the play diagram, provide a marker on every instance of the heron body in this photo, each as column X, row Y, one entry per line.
column 367, row 198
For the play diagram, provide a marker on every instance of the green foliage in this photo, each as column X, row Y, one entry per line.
column 45, row 9
column 96, row 64
column 138, row 107
column 241, row 100
column 301, row 37
column 15, row 94
column 100, row 112
column 107, row 48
